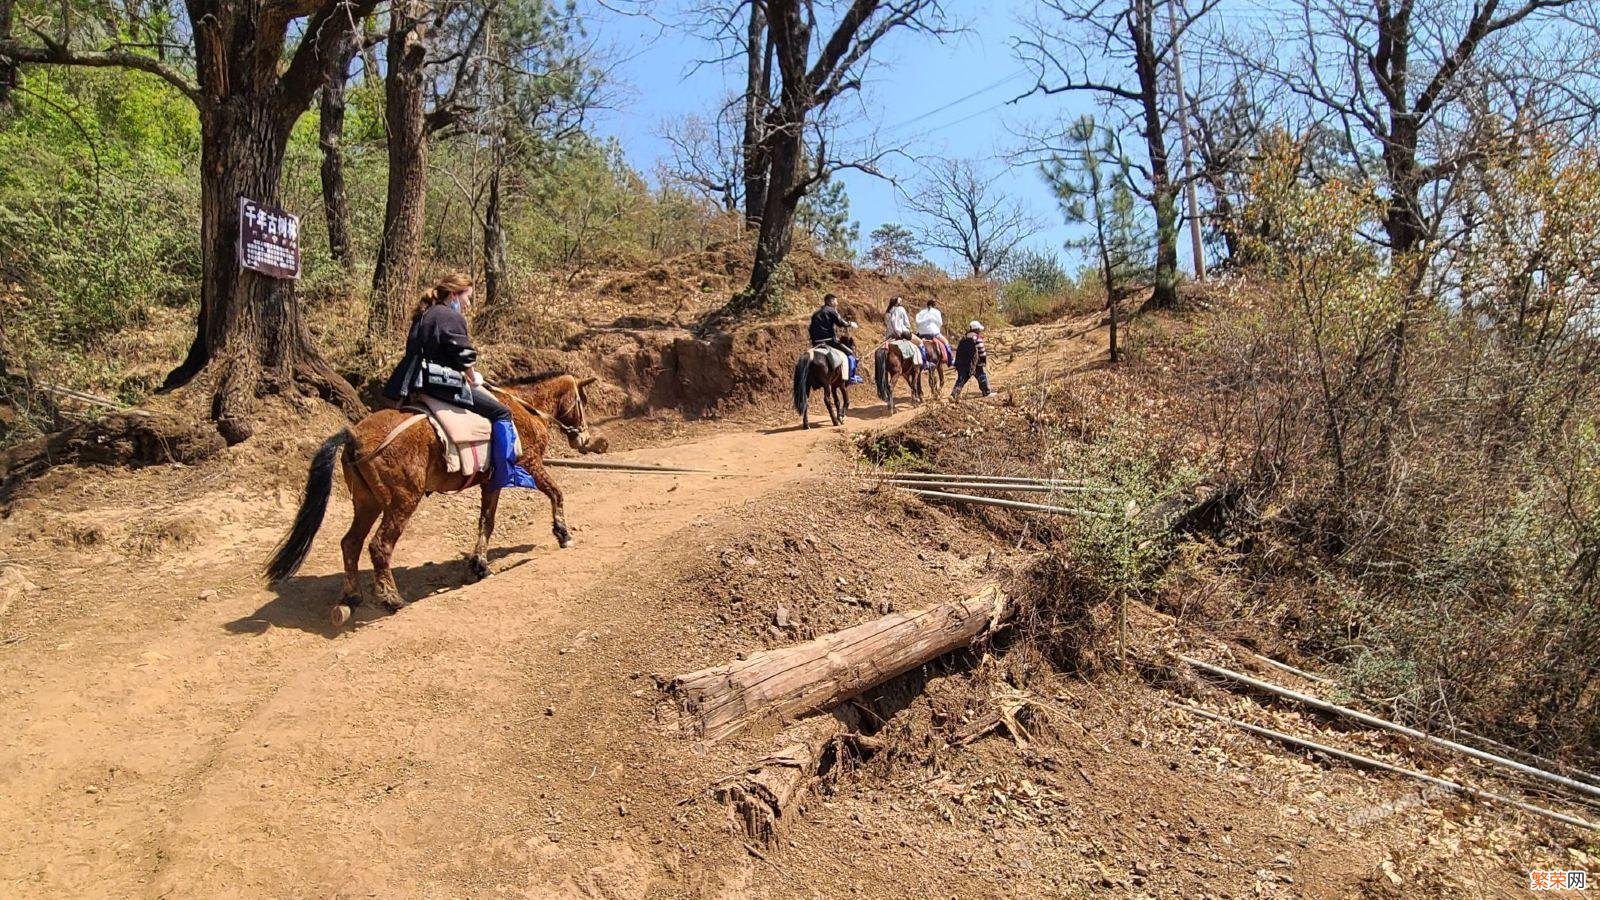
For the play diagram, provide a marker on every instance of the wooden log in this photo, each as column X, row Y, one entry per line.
column 772, row 791
column 822, row 673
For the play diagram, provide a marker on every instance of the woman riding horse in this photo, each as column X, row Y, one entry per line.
column 390, row 461
column 439, row 362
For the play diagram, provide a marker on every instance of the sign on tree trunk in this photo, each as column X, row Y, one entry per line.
column 269, row 240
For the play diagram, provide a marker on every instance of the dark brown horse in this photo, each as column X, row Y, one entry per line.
column 816, row 369
column 887, row 365
column 389, row 467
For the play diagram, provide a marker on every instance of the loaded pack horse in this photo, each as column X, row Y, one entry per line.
column 829, row 369
column 391, row 461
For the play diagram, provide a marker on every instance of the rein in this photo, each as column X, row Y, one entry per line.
column 539, row 413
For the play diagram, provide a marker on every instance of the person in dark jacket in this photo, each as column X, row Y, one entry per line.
column 440, row 362
column 825, row 325
column 972, row 360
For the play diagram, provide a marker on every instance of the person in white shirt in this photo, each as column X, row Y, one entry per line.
column 896, row 322
column 930, row 327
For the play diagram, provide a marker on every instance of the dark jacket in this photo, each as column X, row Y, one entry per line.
column 826, row 324
column 970, row 352
column 438, row 337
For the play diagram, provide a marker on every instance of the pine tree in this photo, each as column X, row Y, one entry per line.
column 1094, row 188
column 894, row 249
column 824, row 214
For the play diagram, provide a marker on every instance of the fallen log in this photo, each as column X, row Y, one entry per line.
column 822, row 673
column 772, row 791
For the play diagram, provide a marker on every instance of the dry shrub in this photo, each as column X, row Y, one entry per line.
column 1422, row 450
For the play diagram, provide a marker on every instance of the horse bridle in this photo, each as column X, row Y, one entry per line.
column 569, row 430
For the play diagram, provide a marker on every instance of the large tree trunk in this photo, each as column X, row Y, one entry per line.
column 1164, row 199
column 758, row 87
column 394, row 278
column 250, row 325
column 822, row 673
column 335, row 203
column 776, row 235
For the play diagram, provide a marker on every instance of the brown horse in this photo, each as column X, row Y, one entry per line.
column 815, row 369
column 887, row 365
column 935, row 367
column 390, row 467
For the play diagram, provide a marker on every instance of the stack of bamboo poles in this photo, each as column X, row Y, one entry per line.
column 1577, row 786
column 958, row 488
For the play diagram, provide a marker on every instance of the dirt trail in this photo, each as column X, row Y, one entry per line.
column 236, row 745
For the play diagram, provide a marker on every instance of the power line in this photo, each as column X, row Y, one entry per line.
column 958, row 101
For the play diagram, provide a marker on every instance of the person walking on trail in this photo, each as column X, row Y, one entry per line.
column 972, row 361
column 826, row 323
column 930, row 328
column 896, row 322
column 440, row 362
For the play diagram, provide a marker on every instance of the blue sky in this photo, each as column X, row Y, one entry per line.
column 941, row 99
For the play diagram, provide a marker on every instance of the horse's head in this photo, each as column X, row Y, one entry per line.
column 576, row 417
column 561, row 400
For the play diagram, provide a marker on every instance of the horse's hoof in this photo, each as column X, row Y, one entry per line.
column 564, row 543
column 479, row 567
column 393, row 605
column 339, row 614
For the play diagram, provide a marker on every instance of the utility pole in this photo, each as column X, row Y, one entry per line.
column 1188, row 152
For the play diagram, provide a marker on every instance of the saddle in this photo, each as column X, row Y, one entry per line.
column 908, row 350
column 464, row 433
column 834, row 358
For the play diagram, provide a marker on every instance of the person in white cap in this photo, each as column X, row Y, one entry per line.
column 972, row 360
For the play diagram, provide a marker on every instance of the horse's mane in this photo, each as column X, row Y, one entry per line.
column 536, row 378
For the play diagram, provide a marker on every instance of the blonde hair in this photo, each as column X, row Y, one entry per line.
column 447, row 287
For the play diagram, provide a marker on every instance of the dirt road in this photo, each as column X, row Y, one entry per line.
column 188, row 733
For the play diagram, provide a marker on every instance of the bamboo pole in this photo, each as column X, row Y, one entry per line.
column 92, row 399
column 950, row 476
column 1368, row 761
column 996, row 486
column 639, row 468
column 1462, row 732
column 1376, row 722
column 1008, row 504
column 1309, row 676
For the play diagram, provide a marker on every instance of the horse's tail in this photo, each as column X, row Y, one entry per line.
column 880, row 374
column 802, row 384
column 296, row 544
